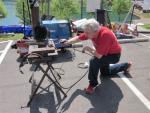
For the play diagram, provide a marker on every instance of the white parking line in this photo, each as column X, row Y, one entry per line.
column 145, row 35
column 5, row 51
column 141, row 97
column 1, row 52
column 4, row 42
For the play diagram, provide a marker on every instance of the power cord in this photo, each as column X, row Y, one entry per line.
column 80, row 65
column 69, row 88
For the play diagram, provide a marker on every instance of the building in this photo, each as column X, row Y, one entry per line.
column 143, row 5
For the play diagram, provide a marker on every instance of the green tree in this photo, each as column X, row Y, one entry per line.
column 3, row 10
column 61, row 9
column 106, row 4
column 19, row 11
column 65, row 9
column 121, row 7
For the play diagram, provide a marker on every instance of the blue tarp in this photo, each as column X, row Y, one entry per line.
column 16, row 29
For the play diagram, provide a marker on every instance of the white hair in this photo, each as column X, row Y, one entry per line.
column 91, row 25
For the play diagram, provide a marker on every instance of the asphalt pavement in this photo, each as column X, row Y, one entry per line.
column 125, row 93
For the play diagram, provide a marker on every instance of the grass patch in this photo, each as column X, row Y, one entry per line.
column 11, row 37
column 141, row 14
column 146, row 15
column 146, row 26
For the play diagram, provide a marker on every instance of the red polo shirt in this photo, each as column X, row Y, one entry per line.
column 106, row 42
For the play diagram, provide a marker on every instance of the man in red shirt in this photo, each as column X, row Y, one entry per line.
column 106, row 51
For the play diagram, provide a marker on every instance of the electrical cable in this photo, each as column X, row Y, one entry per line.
column 82, row 65
column 69, row 88
column 72, row 84
column 83, row 52
column 63, row 72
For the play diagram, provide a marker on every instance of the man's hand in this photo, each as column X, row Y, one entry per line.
column 92, row 51
column 62, row 41
column 87, row 48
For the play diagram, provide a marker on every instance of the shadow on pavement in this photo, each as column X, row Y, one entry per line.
column 105, row 99
column 43, row 101
column 128, row 75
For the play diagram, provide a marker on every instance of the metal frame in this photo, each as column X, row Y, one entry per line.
column 48, row 62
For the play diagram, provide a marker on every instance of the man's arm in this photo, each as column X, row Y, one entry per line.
column 92, row 51
column 72, row 40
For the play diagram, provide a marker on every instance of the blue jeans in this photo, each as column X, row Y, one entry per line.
column 103, row 64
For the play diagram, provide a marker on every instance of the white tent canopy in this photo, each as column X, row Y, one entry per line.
column 92, row 5
column 146, row 5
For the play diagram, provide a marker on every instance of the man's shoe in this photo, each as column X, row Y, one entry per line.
column 90, row 89
column 129, row 67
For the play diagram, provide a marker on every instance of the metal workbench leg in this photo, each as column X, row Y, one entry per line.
column 39, row 84
column 54, row 82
